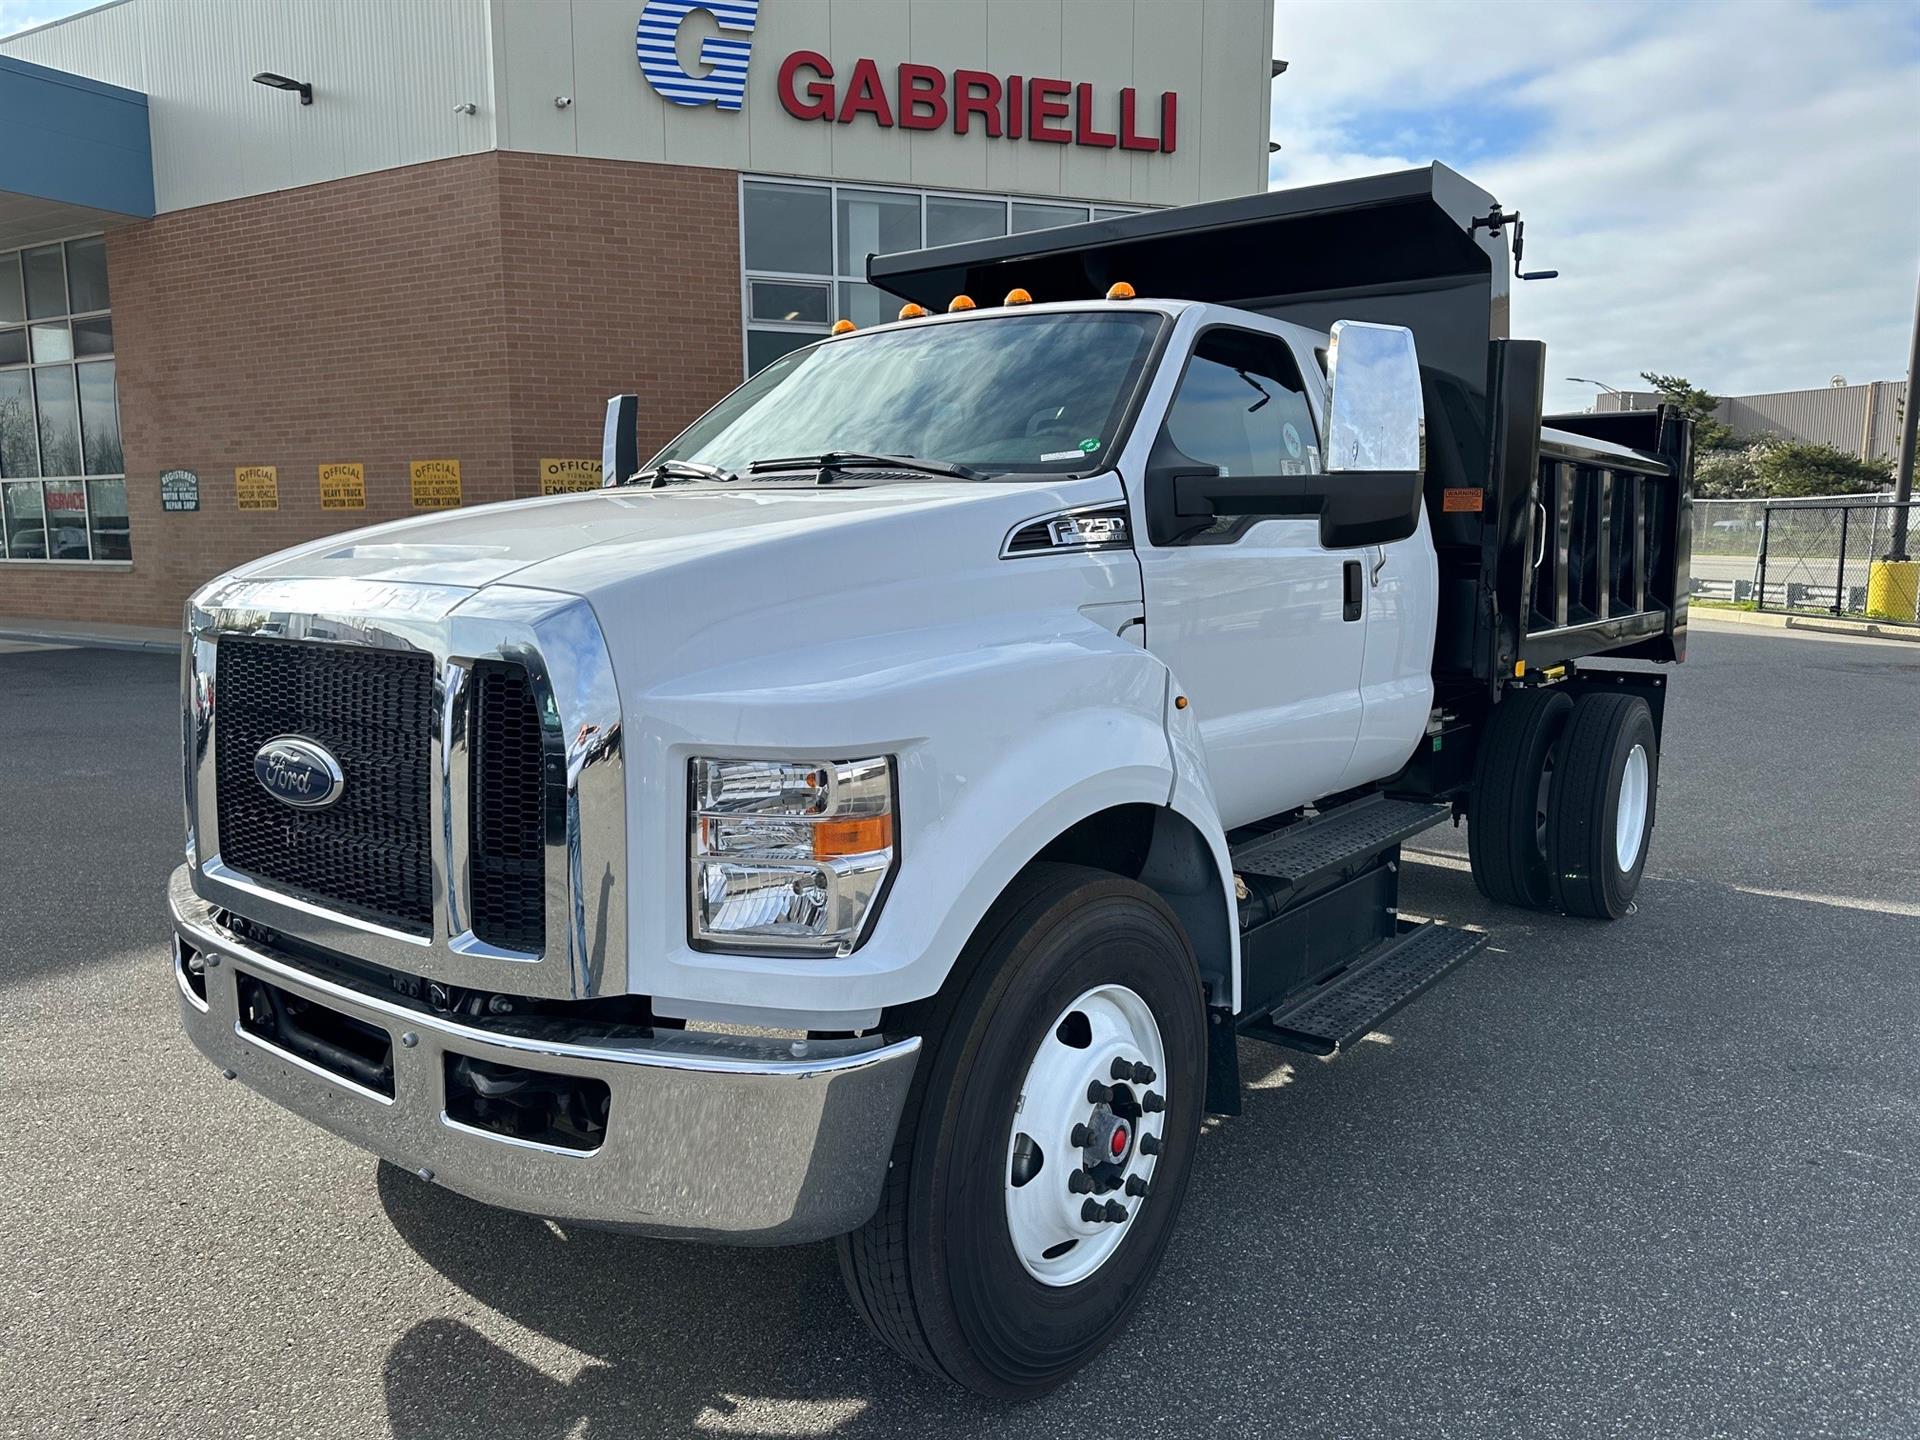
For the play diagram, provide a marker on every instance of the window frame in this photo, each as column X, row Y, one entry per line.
column 834, row 278
column 1230, row 534
column 32, row 368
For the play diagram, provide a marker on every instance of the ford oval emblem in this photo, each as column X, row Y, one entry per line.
column 298, row 772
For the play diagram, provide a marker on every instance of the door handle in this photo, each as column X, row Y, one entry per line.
column 1350, row 591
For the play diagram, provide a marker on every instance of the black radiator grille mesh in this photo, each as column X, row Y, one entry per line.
column 508, row 851
column 368, row 854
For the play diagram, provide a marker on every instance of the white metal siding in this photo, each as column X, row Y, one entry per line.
column 388, row 74
column 386, row 79
column 1213, row 52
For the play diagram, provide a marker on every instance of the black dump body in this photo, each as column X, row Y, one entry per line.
column 1558, row 537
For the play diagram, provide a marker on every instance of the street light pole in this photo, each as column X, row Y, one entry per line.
column 1582, row 380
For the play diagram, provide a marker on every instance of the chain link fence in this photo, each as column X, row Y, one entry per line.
column 1815, row 555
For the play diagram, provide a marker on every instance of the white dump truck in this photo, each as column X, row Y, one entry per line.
column 879, row 814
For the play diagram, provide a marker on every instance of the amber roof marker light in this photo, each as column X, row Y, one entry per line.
column 1120, row 290
column 1017, row 296
column 844, row 327
column 911, row 311
column 960, row 302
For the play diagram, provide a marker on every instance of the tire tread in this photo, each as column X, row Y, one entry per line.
column 1500, row 833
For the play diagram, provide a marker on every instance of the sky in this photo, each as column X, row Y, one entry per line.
column 1730, row 189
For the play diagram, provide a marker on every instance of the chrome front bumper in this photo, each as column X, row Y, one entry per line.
column 713, row 1137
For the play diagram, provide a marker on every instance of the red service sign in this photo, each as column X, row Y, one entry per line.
column 1011, row 107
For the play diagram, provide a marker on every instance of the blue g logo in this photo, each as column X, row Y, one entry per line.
column 724, row 82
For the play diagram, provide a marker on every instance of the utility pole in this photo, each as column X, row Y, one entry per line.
column 1903, row 471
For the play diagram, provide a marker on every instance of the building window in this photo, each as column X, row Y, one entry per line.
column 806, row 245
column 63, row 486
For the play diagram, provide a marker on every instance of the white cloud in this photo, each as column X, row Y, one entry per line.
column 1730, row 191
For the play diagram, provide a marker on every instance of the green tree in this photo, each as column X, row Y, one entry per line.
column 1697, row 405
column 1803, row 467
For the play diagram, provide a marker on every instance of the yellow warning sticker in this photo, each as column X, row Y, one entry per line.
column 257, row 487
column 557, row 477
column 343, row 486
column 436, row 484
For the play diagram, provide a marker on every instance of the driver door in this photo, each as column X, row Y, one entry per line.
column 1260, row 623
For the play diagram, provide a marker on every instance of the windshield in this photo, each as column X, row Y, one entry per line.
column 1039, row 392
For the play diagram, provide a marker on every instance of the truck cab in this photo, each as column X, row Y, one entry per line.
column 879, row 814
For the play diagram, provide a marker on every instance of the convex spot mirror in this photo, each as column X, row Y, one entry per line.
column 1375, row 418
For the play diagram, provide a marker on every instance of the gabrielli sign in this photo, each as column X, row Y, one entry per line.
column 1011, row 107
column 1038, row 108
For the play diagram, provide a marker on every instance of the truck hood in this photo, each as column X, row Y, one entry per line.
column 581, row 544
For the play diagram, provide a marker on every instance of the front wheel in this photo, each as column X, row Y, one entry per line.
column 1047, row 1142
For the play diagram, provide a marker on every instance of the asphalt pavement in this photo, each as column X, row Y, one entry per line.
column 1656, row 1178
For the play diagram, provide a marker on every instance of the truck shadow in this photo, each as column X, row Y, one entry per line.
column 678, row 1335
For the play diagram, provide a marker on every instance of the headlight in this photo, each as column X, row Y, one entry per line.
column 789, row 855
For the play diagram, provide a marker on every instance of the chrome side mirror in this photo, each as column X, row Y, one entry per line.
column 1375, row 418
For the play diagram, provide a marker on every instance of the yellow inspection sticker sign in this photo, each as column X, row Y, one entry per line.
column 557, row 477
column 343, row 486
column 436, row 484
column 257, row 487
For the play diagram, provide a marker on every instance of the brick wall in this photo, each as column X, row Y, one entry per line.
column 479, row 308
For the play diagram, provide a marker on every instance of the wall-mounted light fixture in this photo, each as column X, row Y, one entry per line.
column 282, row 82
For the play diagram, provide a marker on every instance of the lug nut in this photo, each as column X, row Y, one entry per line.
column 1143, row 1074
column 1136, row 1187
column 1115, row 1212
column 1122, row 1068
column 1098, row 1094
column 1079, row 1182
column 1081, row 1137
column 1149, row 1144
column 1091, row 1210
column 1153, row 1102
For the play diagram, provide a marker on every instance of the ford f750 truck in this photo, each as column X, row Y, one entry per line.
column 880, row 814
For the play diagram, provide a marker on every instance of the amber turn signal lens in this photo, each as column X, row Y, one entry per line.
column 911, row 311
column 859, row 836
column 1017, row 296
column 960, row 302
column 1120, row 290
column 844, row 327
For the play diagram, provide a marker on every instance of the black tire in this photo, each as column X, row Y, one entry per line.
column 1582, row 840
column 934, row 1273
column 1505, row 822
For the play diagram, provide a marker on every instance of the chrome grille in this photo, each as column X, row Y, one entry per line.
column 507, row 778
column 369, row 854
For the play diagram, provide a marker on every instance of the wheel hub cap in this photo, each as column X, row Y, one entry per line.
column 1085, row 1140
column 1630, row 822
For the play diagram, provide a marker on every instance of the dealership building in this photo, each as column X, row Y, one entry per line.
column 276, row 270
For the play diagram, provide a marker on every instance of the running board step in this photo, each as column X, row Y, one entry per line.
column 1302, row 855
column 1337, row 1012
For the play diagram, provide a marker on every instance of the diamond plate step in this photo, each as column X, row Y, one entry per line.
column 1318, row 847
column 1337, row 1012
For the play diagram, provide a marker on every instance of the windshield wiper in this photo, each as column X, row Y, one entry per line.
column 862, row 460
column 667, row 471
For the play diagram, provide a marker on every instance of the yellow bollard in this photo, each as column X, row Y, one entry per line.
column 1893, row 590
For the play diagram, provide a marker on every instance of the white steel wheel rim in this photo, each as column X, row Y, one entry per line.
column 1054, row 1240
column 1630, row 823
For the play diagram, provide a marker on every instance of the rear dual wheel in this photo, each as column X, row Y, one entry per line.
column 1047, row 1140
column 1602, row 812
column 1562, row 802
